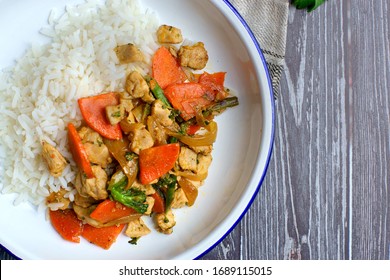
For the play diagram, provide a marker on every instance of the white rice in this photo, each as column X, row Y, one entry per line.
column 38, row 96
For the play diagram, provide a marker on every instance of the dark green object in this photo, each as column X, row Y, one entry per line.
column 167, row 184
column 219, row 106
column 133, row 198
column 159, row 93
column 310, row 5
column 134, row 240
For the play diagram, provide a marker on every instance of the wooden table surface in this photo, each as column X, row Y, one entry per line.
column 327, row 191
column 326, row 194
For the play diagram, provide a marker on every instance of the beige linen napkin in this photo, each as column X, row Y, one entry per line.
column 268, row 22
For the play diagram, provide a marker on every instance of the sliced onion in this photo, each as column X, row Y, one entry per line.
column 156, row 131
column 189, row 190
column 128, row 127
column 206, row 139
column 84, row 215
column 192, row 176
column 123, row 220
column 118, row 149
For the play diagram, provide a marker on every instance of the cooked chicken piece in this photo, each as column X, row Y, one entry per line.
column 83, row 201
column 165, row 221
column 115, row 113
column 204, row 150
column 55, row 161
column 136, row 85
column 195, row 56
column 89, row 135
column 78, row 184
column 138, row 113
column 128, row 122
column 137, row 228
column 130, row 118
column 179, row 199
column 128, row 53
column 127, row 104
column 167, row 34
column 148, row 97
column 59, row 197
column 150, row 202
column 94, row 187
column 188, row 159
column 161, row 113
column 97, row 152
column 147, row 189
column 204, row 162
column 140, row 139
column 125, row 95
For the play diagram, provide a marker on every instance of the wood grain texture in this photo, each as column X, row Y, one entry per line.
column 326, row 194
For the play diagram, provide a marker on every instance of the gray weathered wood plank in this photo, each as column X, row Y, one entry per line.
column 369, row 99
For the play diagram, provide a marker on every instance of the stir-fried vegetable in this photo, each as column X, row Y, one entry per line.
column 157, row 161
column 207, row 138
column 78, row 151
column 103, row 237
column 120, row 150
column 67, row 224
column 131, row 197
column 189, row 189
column 109, row 210
column 93, row 110
column 159, row 202
column 167, row 185
column 159, row 93
column 220, row 106
column 188, row 98
column 166, row 69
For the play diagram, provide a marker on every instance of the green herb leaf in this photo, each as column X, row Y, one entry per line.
column 134, row 240
column 310, row 5
column 116, row 114
column 129, row 156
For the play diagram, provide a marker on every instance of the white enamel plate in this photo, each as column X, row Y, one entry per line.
column 240, row 157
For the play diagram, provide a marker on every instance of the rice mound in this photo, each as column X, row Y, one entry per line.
column 38, row 95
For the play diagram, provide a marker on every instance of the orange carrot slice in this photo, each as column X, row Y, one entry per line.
column 103, row 237
column 165, row 68
column 159, row 203
column 213, row 80
column 192, row 129
column 93, row 111
column 157, row 161
column 66, row 223
column 78, row 151
column 110, row 210
column 214, row 84
column 188, row 98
